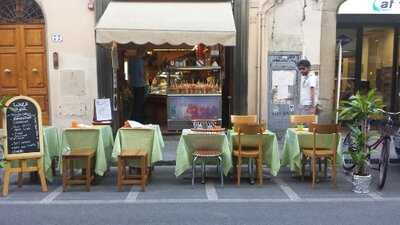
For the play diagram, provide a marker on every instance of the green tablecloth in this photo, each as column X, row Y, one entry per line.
column 190, row 141
column 51, row 148
column 83, row 138
column 296, row 140
column 270, row 148
column 149, row 139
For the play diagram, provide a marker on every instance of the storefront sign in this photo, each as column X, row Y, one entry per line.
column 370, row 7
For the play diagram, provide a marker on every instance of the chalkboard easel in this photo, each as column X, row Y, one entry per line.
column 22, row 119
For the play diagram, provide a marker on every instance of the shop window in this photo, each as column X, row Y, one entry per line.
column 348, row 40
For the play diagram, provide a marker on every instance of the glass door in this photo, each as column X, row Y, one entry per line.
column 377, row 59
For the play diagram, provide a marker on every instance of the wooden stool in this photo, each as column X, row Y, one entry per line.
column 68, row 170
column 123, row 177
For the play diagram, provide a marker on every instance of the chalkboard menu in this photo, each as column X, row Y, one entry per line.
column 23, row 126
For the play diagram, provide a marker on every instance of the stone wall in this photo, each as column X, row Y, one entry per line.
column 307, row 26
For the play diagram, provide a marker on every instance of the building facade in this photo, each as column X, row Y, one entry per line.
column 48, row 51
column 304, row 27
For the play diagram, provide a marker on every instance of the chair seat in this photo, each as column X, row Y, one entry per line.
column 133, row 153
column 207, row 153
column 318, row 152
column 246, row 153
column 80, row 153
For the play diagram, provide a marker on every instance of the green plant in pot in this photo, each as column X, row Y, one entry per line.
column 3, row 101
column 356, row 114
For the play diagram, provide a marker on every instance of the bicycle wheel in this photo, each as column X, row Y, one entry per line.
column 383, row 164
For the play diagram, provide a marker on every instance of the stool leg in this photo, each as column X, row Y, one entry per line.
column 88, row 173
column 65, row 173
column 221, row 170
column 203, row 169
column 194, row 169
column 143, row 173
column 119, row 179
column 238, row 170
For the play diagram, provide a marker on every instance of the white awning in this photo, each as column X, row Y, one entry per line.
column 174, row 23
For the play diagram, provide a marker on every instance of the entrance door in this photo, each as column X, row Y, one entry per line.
column 23, row 69
column 370, row 61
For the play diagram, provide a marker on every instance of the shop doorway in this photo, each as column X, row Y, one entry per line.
column 370, row 55
column 174, row 81
column 23, row 66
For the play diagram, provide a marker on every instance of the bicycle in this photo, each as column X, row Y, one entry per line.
column 387, row 129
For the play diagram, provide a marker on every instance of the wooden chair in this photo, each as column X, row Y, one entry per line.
column 248, row 119
column 123, row 177
column 87, row 155
column 303, row 119
column 315, row 152
column 251, row 151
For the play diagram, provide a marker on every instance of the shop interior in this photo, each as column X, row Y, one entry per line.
column 371, row 56
column 182, row 84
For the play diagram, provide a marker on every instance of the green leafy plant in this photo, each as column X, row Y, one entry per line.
column 3, row 101
column 356, row 113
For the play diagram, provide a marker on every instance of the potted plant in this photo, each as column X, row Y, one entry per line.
column 356, row 114
column 3, row 101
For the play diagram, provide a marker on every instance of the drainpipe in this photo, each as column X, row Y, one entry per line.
column 260, row 45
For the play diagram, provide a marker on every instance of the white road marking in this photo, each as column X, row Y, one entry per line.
column 211, row 191
column 293, row 196
column 197, row 201
column 53, row 195
column 132, row 196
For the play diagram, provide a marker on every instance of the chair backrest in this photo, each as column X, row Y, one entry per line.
column 303, row 119
column 325, row 129
column 136, row 138
column 81, row 138
column 236, row 119
column 254, row 129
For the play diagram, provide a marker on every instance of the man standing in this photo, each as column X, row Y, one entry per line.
column 138, row 85
column 308, row 88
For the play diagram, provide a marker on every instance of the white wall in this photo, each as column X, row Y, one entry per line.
column 77, row 52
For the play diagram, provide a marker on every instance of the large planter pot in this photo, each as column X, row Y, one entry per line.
column 361, row 184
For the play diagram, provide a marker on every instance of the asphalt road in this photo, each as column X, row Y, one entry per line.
column 169, row 200
column 334, row 213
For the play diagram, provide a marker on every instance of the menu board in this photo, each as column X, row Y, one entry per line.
column 103, row 109
column 23, row 126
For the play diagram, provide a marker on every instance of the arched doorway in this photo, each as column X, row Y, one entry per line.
column 23, row 66
column 369, row 32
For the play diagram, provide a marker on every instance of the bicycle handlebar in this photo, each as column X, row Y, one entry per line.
column 389, row 113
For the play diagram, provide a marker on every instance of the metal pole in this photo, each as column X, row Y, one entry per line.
column 339, row 79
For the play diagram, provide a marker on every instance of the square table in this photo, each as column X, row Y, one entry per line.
column 103, row 145
column 148, row 138
column 295, row 140
column 190, row 141
column 270, row 148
